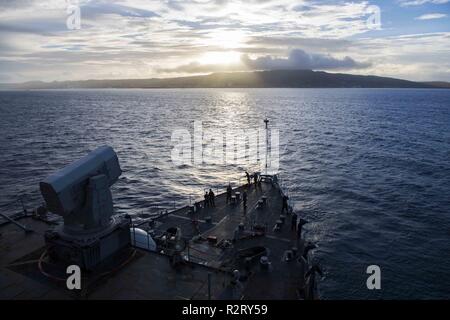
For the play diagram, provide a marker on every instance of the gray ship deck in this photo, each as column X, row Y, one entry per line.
column 150, row 275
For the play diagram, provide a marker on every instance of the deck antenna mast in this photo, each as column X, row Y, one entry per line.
column 266, row 121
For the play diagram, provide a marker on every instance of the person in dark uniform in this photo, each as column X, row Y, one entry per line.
column 294, row 222
column 301, row 223
column 211, row 198
column 206, row 196
column 285, row 204
column 248, row 178
column 255, row 179
column 229, row 191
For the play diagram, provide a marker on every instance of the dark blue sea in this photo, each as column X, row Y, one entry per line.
column 369, row 168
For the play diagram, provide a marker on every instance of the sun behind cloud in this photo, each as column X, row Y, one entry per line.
column 226, row 38
column 220, row 57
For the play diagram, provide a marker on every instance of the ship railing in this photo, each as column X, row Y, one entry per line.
column 193, row 198
column 190, row 255
column 285, row 190
column 20, row 199
column 17, row 207
column 185, row 247
column 219, row 189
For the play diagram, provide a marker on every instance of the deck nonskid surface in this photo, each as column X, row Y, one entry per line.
column 285, row 278
column 150, row 276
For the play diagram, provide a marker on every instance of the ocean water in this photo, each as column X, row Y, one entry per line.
column 368, row 168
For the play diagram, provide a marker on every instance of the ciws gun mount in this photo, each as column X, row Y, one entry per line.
column 81, row 194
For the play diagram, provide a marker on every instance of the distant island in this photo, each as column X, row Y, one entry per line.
column 255, row 79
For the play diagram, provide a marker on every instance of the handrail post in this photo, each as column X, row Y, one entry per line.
column 134, row 231
column 188, row 251
column 209, row 285
column 16, row 223
column 23, row 205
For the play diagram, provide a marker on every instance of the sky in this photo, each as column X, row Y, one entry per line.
column 59, row 40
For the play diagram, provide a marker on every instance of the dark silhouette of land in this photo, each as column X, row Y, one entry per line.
column 256, row 79
column 439, row 84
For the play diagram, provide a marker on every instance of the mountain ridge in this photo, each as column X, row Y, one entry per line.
column 244, row 79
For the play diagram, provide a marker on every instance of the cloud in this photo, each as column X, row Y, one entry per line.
column 408, row 3
column 197, row 67
column 431, row 16
column 419, row 57
column 154, row 38
column 310, row 44
column 299, row 59
column 43, row 26
column 11, row 4
column 99, row 7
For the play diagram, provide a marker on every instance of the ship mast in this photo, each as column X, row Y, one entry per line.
column 266, row 121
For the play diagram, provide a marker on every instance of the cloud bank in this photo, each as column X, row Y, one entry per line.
column 299, row 59
column 153, row 38
column 431, row 16
column 296, row 60
column 409, row 3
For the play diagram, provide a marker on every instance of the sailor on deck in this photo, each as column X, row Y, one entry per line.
column 211, row 198
column 248, row 178
column 206, row 199
column 244, row 200
column 301, row 223
column 285, row 204
column 294, row 222
column 229, row 191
